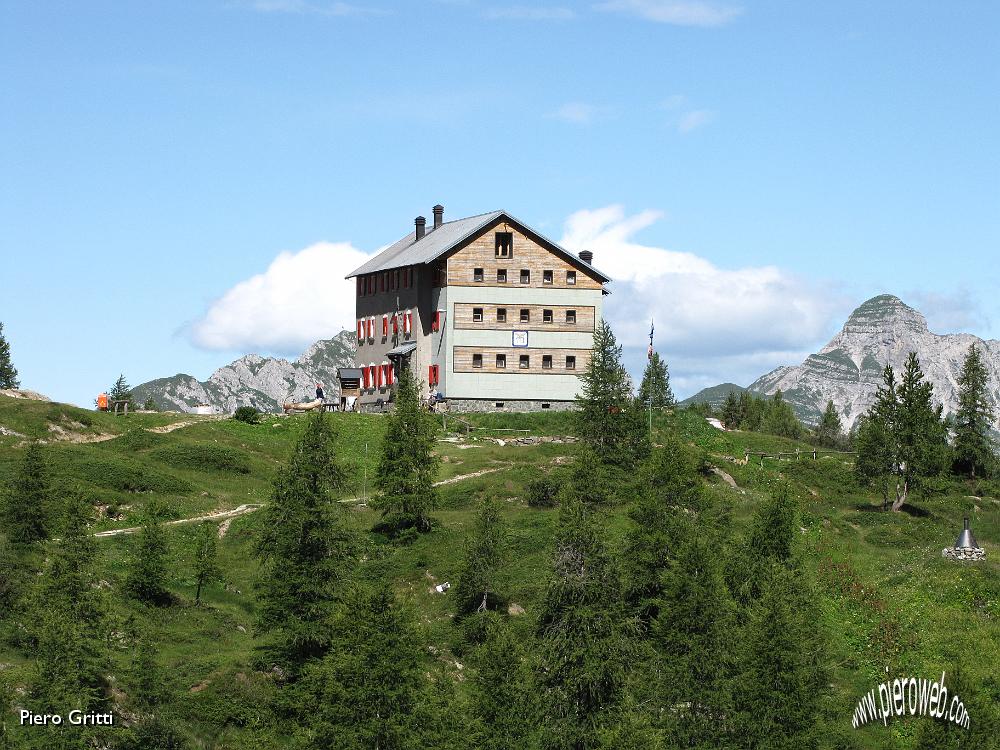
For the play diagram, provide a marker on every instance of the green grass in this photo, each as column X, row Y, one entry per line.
column 887, row 596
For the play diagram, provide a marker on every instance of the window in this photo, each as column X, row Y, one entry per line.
column 546, row 405
column 395, row 279
column 570, row 362
column 525, row 315
column 571, row 316
column 477, row 315
column 361, row 287
column 433, row 374
column 498, row 404
column 524, row 362
column 477, row 274
column 546, row 361
column 525, row 276
column 571, row 278
column 501, row 275
column 546, row 316
column 546, row 277
column 501, row 315
column 504, row 244
column 501, row 361
column 477, row 361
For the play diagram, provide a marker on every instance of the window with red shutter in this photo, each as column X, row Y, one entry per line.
column 430, row 375
column 385, row 325
column 395, row 324
column 360, row 337
column 391, row 374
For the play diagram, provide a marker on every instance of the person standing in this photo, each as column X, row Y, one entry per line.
column 319, row 391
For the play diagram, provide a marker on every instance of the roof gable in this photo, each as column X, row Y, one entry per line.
column 452, row 235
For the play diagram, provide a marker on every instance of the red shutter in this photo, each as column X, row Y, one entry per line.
column 395, row 324
column 390, row 374
column 436, row 325
column 360, row 332
column 364, row 377
column 385, row 325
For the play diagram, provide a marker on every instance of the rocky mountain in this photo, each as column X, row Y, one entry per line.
column 252, row 380
column 848, row 370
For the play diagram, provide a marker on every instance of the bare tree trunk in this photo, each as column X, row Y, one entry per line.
column 900, row 497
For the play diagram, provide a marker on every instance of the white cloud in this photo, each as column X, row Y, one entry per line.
column 578, row 113
column 529, row 13
column 703, row 313
column 695, row 119
column 953, row 312
column 300, row 298
column 677, row 12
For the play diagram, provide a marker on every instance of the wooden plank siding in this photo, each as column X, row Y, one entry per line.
column 463, row 317
column 527, row 254
column 463, row 360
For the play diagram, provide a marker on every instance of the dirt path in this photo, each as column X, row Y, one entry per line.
column 451, row 480
column 183, row 423
column 219, row 515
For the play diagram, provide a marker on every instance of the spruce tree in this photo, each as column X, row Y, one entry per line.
column 691, row 636
column 406, row 469
column 609, row 420
column 873, row 463
column 504, row 695
column 974, row 420
column 206, row 557
column 830, row 430
column 368, row 690
column 8, row 373
column 655, row 388
column 920, row 436
column 584, row 636
column 769, row 542
column 121, row 391
column 307, row 553
column 478, row 584
column 146, row 574
column 26, row 502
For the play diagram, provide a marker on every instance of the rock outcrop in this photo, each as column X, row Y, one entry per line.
column 252, row 380
column 848, row 370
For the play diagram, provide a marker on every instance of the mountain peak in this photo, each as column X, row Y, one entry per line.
column 884, row 311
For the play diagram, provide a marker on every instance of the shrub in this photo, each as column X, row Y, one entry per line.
column 542, row 493
column 137, row 440
column 247, row 415
column 204, row 458
column 121, row 474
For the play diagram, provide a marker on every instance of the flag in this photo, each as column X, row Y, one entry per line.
column 649, row 354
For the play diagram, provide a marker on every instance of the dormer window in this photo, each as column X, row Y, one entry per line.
column 504, row 244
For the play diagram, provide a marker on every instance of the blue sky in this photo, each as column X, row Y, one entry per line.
column 748, row 171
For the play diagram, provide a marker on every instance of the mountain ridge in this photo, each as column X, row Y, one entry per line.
column 254, row 380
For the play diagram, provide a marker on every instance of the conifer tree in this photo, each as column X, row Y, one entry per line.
column 504, row 695
column 974, row 420
column 307, row 553
column 655, row 388
column 8, row 373
column 920, row 437
column 145, row 676
column 769, row 542
column 367, row 691
column 406, row 469
column 982, row 702
column 478, row 584
column 68, row 623
column 693, row 645
column 121, row 391
column 731, row 413
column 27, row 500
column 146, row 574
column 585, row 637
column 830, row 430
column 609, row 420
column 206, row 558
column 779, row 691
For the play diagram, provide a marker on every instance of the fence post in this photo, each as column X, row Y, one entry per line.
column 814, row 454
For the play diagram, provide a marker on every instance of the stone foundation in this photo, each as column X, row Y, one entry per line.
column 964, row 554
column 463, row 405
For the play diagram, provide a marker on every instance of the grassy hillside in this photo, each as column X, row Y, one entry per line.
column 888, row 599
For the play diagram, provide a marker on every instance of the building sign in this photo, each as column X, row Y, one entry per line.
column 518, row 338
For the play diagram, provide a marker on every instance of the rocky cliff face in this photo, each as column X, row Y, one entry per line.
column 262, row 382
column 848, row 370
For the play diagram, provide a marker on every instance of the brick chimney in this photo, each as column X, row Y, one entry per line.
column 421, row 224
column 438, row 215
column 587, row 257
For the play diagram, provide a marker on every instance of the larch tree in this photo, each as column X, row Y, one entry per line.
column 27, row 501
column 307, row 552
column 830, row 430
column 8, row 373
column 610, row 421
column 206, row 557
column 585, row 637
column 406, row 468
column 478, row 582
column 655, row 388
column 146, row 573
column 975, row 418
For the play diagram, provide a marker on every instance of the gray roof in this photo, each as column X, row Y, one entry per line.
column 402, row 349
column 436, row 242
column 349, row 373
